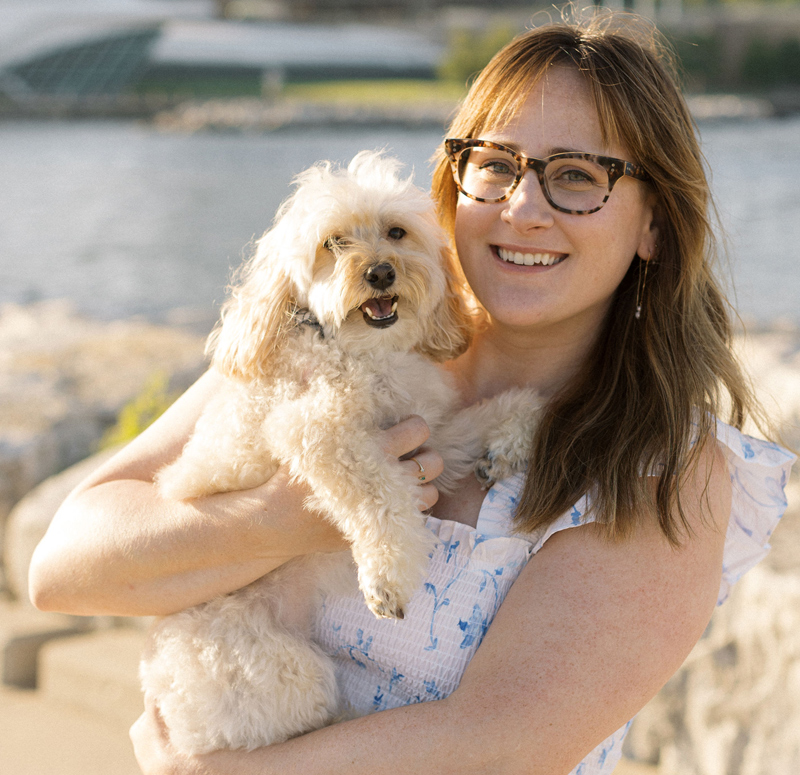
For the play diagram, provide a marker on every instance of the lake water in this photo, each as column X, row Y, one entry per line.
column 126, row 220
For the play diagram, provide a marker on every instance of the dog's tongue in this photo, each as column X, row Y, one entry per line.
column 380, row 308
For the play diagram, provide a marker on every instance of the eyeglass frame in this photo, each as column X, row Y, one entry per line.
column 615, row 168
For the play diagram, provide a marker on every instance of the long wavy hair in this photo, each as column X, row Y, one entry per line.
column 647, row 395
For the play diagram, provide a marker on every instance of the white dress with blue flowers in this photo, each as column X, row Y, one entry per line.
column 384, row 664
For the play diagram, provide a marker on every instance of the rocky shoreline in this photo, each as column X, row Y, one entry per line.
column 63, row 380
column 255, row 115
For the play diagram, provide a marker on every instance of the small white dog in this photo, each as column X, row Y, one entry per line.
column 329, row 337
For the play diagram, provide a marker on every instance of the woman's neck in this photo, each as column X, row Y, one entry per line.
column 501, row 358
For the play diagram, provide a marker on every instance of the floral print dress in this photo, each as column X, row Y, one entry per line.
column 384, row 664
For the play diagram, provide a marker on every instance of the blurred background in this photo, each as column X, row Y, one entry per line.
column 144, row 145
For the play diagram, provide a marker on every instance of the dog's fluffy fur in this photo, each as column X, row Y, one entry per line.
column 311, row 392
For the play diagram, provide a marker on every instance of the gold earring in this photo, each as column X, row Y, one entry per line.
column 640, row 285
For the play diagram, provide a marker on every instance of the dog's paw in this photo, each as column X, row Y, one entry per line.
column 493, row 467
column 384, row 601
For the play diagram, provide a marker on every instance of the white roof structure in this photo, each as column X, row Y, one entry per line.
column 286, row 45
column 32, row 27
column 46, row 45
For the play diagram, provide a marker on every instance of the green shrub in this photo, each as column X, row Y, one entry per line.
column 788, row 62
column 468, row 52
column 141, row 411
column 700, row 58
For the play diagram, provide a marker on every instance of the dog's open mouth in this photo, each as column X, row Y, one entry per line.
column 380, row 312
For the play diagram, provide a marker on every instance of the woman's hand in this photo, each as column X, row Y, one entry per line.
column 422, row 465
column 154, row 753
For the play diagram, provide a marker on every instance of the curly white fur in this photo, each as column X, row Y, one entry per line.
column 241, row 671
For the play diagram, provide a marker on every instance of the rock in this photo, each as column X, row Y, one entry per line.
column 64, row 378
column 772, row 359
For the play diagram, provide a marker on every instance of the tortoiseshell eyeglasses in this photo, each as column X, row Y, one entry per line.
column 576, row 183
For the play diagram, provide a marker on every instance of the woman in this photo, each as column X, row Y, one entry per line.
column 576, row 195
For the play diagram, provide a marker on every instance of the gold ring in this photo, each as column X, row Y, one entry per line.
column 421, row 476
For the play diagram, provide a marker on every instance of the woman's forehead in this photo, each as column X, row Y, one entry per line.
column 556, row 113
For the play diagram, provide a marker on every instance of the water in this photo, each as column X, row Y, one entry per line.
column 125, row 220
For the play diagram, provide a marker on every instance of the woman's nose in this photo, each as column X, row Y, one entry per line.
column 528, row 208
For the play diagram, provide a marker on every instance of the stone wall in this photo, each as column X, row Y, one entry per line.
column 64, row 378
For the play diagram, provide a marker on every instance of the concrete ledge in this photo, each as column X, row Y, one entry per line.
column 98, row 672
column 23, row 632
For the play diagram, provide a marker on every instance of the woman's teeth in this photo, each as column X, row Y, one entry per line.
column 528, row 259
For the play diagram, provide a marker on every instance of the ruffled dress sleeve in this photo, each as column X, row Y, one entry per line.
column 759, row 473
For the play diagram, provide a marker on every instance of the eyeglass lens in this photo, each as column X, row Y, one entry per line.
column 573, row 184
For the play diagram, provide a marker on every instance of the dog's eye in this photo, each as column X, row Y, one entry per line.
column 334, row 242
column 397, row 233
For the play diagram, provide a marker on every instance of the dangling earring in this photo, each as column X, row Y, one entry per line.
column 641, row 284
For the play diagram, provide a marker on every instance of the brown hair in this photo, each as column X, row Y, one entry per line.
column 652, row 386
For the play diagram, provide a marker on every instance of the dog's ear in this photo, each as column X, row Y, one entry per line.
column 255, row 316
column 452, row 324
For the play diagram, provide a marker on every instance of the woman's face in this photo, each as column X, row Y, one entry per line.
column 590, row 254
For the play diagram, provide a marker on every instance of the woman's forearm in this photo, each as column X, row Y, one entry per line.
column 119, row 548
column 433, row 737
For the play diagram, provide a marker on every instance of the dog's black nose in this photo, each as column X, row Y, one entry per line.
column 380, row 276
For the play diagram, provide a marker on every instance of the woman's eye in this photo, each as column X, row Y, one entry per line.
column 499, row 168
column 396, row 232
column 575, row 177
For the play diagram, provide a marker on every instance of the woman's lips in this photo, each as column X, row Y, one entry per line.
column 528, row 259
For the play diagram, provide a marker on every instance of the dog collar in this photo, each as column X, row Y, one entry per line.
column 305, row 317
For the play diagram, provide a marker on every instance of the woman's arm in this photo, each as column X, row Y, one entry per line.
column 116, row 546
column 588, row 633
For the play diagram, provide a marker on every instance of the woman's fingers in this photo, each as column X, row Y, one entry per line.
column 419, row 463
column 406, row 436
column 150, row 739
column 425, row 465
column 427, row 495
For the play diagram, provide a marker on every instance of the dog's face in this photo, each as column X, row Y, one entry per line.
column 362, row 249
column 370, row 266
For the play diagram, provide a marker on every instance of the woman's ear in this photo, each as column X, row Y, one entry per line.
column 254, row 318
column 649, row 236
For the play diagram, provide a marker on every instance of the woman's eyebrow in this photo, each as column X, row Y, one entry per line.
column 549, row 152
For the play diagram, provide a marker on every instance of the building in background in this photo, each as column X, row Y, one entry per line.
column 66, row 49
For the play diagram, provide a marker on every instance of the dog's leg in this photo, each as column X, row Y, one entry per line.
column 236, row 674
column 492, row 437
column 361, row 490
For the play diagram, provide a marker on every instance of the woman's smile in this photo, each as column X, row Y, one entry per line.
column 528, row 257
